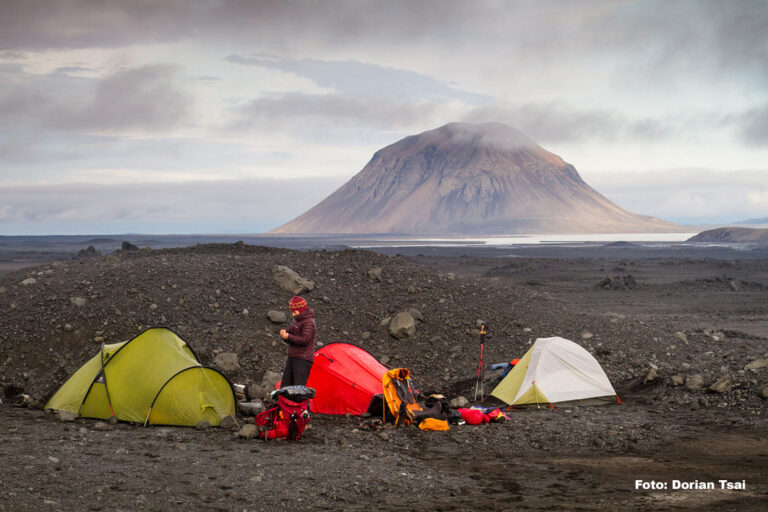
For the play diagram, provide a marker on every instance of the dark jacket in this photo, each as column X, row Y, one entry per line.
column 301, row 336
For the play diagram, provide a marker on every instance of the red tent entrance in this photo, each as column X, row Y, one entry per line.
column 345, row 378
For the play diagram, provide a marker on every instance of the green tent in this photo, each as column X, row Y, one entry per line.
column 155, row 378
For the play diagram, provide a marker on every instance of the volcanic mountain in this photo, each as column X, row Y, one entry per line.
column 468, row 179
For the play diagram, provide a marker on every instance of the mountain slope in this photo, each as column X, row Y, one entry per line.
column 468, row 179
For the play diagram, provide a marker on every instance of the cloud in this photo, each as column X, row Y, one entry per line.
column 754, row 126
column 334, row 110
column 236, row 206
column 687, row 195
column 361, row 79
column 149, row 97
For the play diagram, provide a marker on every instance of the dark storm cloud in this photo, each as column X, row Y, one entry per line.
column 284, row 110
column 361, row 79
column 148, row 97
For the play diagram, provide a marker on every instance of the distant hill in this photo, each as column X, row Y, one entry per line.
column 764, row 220
column 732, row 235
column 468, row 179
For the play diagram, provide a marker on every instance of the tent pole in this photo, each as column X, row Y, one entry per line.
column 106, row 389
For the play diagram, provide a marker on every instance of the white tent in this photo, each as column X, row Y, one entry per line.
column 556, row 371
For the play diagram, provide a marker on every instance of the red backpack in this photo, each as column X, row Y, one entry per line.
column 288, row 419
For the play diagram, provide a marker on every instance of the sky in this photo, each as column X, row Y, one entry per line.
column 213, row 116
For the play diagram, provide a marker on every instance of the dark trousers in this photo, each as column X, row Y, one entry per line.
column 296, row 372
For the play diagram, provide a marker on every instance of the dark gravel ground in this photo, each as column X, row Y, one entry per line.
column 577, row 459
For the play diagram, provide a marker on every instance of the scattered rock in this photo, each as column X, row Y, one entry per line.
column 402, row 326
column 723, row 385
column 694, row 382
column 681, row 336
column 652, row 376
column 100, row 425
column 459, row 402
column 290, row 281
column 251, row 408
column 248, row 431
column 374, row 274
column 735, row 284
column 228, row 422
column 67, row 416
column 585, row 334
column 757, row 364
column 276, row 317
column 203, row 425
column 269, row 380
column 365, row 336
column 677, row 380
column 764, row 391
column 78, row 301
column 227, row 362
column 28, row 281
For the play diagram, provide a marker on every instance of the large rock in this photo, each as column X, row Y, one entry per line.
column 290, row 281
column 677, row 380
column 757, row 364
column 276, row 317
column 227, row 361
column 652, row 376
column 416, row 314
column 694, row 382
column 375, row 274
column 28, row 281
column 251, row 408
column 67, row 416
column 459, row 402
column 723, row 385
column 269, row 380
column 78, row 301
column 402, row 326
column 228, row 422
column 248, row 431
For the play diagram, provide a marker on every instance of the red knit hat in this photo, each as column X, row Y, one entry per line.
column 297, row 304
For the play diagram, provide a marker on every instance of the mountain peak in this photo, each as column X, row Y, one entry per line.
column 463, row 178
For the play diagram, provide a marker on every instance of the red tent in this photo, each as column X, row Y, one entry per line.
column 345, row 378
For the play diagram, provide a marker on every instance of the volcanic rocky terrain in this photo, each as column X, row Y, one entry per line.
column 694, row 399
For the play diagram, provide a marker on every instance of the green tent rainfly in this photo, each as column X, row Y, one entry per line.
column 155, row 378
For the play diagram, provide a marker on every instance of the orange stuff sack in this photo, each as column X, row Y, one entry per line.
column 433, row 424
column 400, row 396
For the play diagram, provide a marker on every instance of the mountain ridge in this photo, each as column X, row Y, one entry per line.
column 463, row 179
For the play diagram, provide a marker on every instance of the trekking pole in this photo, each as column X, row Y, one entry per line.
column 479, row 385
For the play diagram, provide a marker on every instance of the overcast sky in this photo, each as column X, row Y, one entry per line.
column 172, row 116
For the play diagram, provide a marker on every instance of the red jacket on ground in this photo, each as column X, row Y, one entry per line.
column 301, row 336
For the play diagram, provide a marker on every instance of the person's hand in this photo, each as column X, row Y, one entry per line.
column 284, row 334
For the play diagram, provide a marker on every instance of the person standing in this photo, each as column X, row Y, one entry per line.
column 300, row 338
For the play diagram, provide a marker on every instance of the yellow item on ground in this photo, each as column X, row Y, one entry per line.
column 155, row 378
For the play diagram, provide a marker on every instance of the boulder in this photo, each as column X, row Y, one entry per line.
column 676, row 380
column 652, row 376
column 402, row 326
column 290, row 281
column 248, row 431
column 129, row 247
column 459, row 402
column 694, row 382
column 723, row 385
column 276, row 317
column 251, row 408
column 228, row 422
column 227, row 361
column 375, row 274
column 269, row 380
column 757, row 364
column 90, row 252
column 67, row 416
